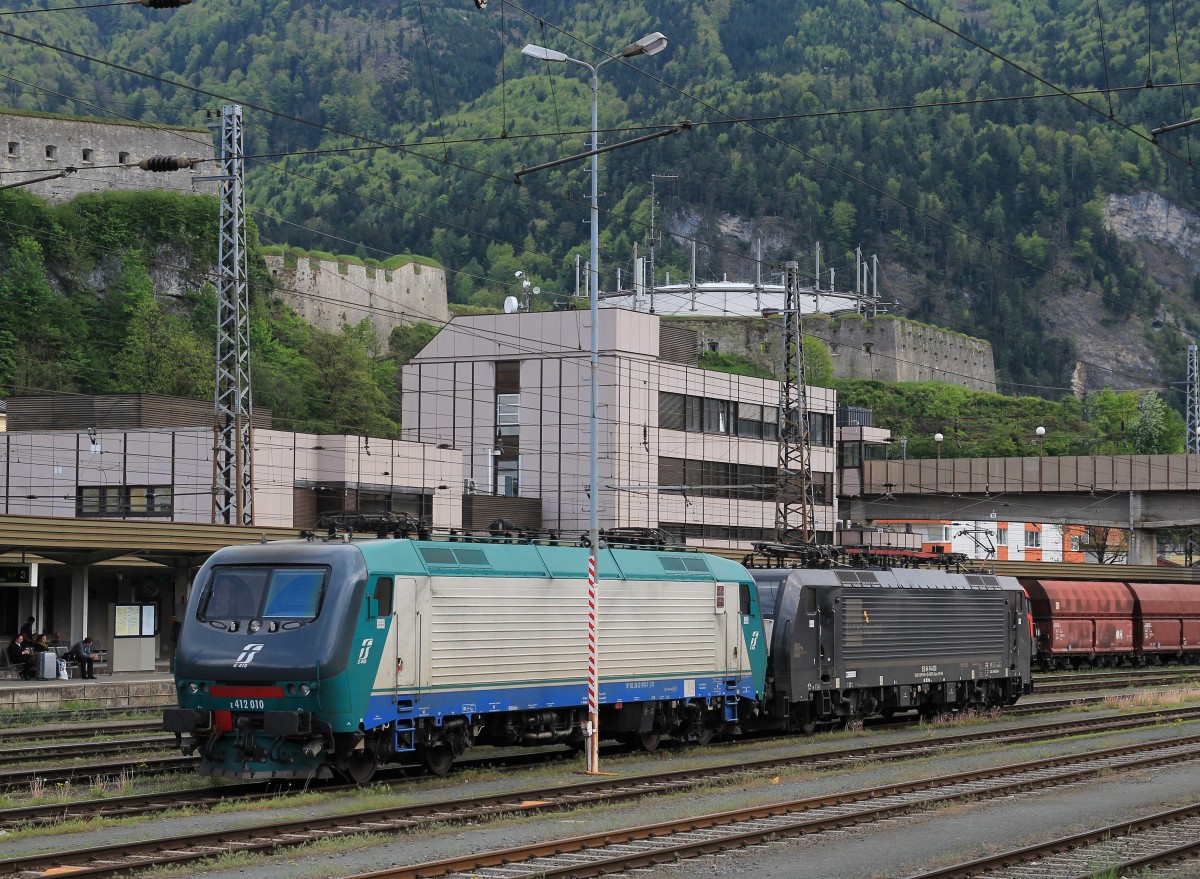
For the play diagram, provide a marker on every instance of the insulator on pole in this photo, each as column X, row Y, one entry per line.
column 164, row 4
column 167, row 163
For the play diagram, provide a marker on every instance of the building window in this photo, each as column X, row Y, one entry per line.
column 716, row 416
column 89, row 156
column 51, row 152
column 507, row 476
column 1002, row 537
column 770, row 422
column 693, row 414
column 670, row 411
column 708, row 415
column 719, row 479
column 874, row 452
column 820, row 428
column 1076, row 543
column 1033, row 539
column 822, row 488
column 123, row 158
column 124, row 500
column 508, row 414
column 750, row 420
column 14, row 148
column 714, row 345
column 681, row 532
column 850, row 454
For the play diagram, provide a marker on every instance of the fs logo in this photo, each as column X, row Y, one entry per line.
column 365, row 650
column 753, row 640
column 247, row 655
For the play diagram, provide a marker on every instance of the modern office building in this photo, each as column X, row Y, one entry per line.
column 692, row 451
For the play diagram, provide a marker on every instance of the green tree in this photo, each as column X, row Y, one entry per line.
column 1154, row 431
column 160, row 354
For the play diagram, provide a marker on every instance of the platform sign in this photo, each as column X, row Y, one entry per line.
column 18, row 575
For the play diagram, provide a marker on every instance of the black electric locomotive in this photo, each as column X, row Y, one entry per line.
column 847, row 644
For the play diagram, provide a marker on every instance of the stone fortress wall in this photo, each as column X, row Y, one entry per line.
column 329, row 294
column 41, row 144
column 886, row 348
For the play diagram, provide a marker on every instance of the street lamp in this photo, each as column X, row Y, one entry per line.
column 651, row 44
column 937, row 438
column 1041, row 438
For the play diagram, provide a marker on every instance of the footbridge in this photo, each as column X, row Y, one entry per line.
column 1140, row 493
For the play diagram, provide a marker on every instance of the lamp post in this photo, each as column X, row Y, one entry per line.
column 937, row 439
column 651, row 44
column 1041, row 438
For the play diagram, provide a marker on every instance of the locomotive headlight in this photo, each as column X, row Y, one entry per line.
column 305, row 689
column 254, row 626
column 193, row 688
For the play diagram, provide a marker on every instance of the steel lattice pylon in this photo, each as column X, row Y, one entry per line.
column 1193, row 401
column 233, row 483
column 794, row 504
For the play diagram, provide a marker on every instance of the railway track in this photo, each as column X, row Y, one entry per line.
column 145, row 803
column 1074, row 683
column 1152, row 672
column 111, row 860
column 71, row 750
column 1158, row 840
column 89, row 730
column 23, row 778
column 669, row 842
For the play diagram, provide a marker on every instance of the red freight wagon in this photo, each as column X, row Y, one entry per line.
column 1170, row 620
column 1081, row 621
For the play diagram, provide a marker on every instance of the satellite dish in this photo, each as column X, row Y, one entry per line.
column 511, row 305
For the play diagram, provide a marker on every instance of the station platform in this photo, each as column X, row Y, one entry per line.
column 118, row 690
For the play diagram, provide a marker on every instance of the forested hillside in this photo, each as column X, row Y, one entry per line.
column 396, row 128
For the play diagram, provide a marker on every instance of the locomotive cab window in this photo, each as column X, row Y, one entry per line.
column 810, row 600
column 261, row 592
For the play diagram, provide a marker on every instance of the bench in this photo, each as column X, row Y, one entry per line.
column 6, row 667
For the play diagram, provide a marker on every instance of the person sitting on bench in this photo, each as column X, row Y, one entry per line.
column 20, row 657
column 82, row 653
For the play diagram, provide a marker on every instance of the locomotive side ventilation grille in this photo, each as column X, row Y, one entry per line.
column 857, row 577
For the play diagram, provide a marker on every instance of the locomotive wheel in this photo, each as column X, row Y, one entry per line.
column 647, row 741
column 704, row 734
column 438, row 758
column 360, row 767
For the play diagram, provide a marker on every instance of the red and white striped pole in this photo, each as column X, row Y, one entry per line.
column 592, row 751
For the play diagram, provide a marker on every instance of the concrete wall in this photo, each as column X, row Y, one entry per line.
column 43, row 145
column 330, row 294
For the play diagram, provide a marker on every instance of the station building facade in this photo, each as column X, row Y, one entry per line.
column 691, row 451
column 143, row 458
